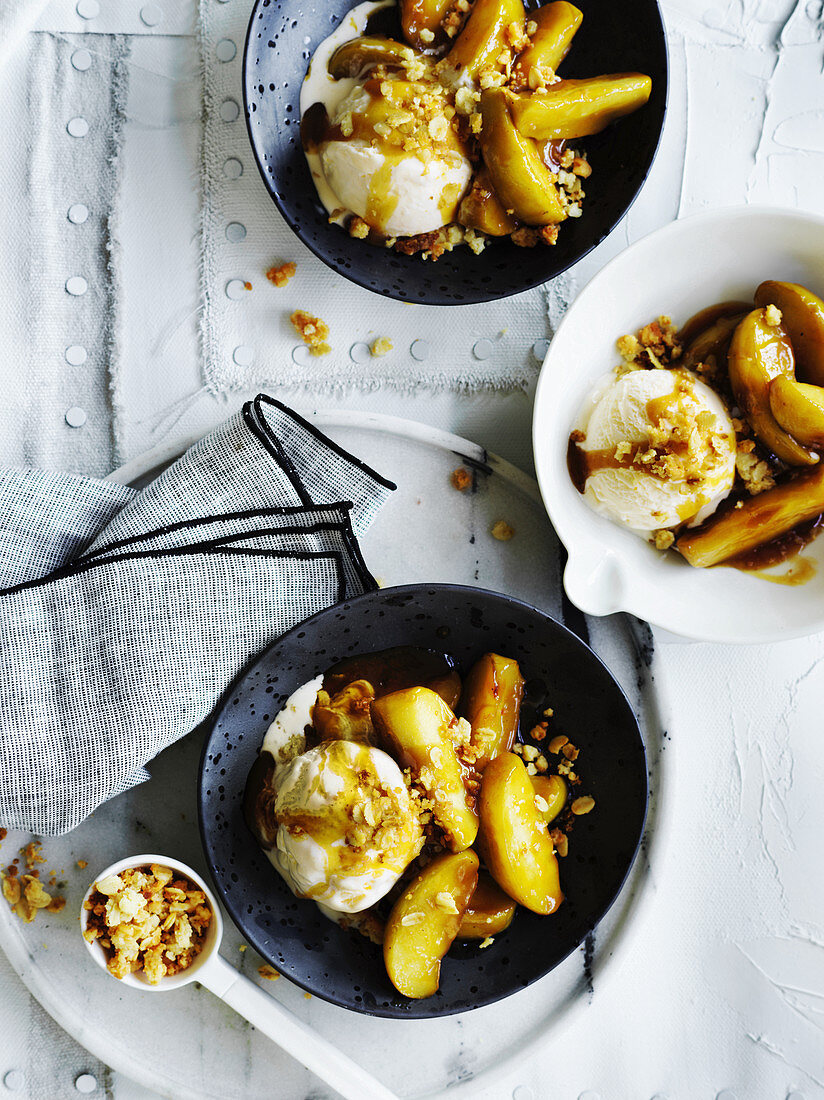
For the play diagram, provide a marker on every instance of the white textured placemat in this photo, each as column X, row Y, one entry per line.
column 61, row 97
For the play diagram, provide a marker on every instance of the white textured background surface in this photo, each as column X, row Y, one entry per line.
column 722, row 994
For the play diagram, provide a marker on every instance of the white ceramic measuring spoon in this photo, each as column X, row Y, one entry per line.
column 246, row 998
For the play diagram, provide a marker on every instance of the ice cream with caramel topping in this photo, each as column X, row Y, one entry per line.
column 346, row 826
column 658, row 450
column 392, row 158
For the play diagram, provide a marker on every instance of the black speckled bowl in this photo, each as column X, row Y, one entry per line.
column 560, row 671
column 613, row 38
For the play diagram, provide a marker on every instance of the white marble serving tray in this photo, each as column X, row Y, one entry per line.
column 188, row 1044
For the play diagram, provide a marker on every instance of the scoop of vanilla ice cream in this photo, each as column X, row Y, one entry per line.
column 660, row 450
column 398, row 192
column 346, row 826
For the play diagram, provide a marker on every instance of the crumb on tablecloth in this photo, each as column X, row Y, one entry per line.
column 461, row 479
column 382, row 346
column 502, row 531
column 280, row 274
column 312, row 330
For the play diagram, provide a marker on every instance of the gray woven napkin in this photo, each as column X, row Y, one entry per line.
column 124, row 616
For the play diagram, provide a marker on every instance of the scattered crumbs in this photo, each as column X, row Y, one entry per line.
column 461, row 479
column 663, row 539
column 502, row 531
column 82, row 864
column 242, row 947
column 308, row 996
column 32, row 853
column 279, row 275
column 487, row 942
column 772, row 316
column 247, row 285
column 583, row 805
column 268, row 972
column 382, row 346
column 557, row 743
column 25, row 895
column 313, row 331
column 538, row 732
column 549, row 713
column 561, row 843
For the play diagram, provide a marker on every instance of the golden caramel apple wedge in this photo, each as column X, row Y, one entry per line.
column 422, row 18
column 481, row 209
column 577, row 108
column 424, row 922
column 799, row 410
column 556, row 26
column 713, row 341
column 345, row 716
column 706, row 317
column 522, row 181
column 759, row 352
column 759, row 519
column 802, row 313
column 415, row 726
column 483, row 42
column 449, row 688
column 553, row 790
column 358, row 55
column 390, row 670
column 517, row 846
column 492, row 705
column 489, row 912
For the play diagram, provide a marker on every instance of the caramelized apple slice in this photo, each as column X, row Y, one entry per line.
column 492, row 705
column 489, row 912
column 759, row 519
column 799, row 410
column 577, row 108
column 424, row 922
column 359, row 55
column 345, row 715
column 426, row 16
column 259, row 801
column 516, row 843
column 714, row 340
column 802, row 313
column 759, row 352
column 553, row 790
column 482, row 41
column 557, row 24
column 521, row 180
column 390, row 670
column 481, row 209
column 449, row 688
column 414, row 725
column 705, row 318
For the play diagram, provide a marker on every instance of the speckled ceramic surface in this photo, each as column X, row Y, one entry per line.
column 188, row 1044
column 613, row 38
column 560, row 671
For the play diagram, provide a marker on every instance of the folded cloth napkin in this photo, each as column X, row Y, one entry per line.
column 125, row 615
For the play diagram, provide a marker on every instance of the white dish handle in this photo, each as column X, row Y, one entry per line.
column 593, row 580
column 295, row 1037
